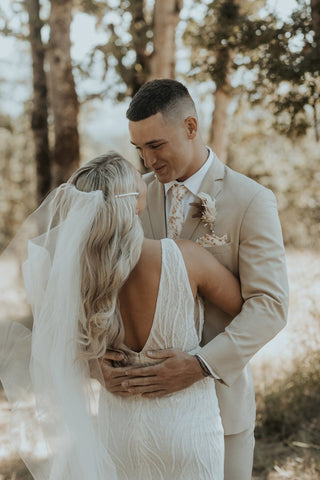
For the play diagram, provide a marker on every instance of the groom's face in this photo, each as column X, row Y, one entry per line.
column 164, row 147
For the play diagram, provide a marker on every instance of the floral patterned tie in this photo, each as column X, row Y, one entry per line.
column 175, row 220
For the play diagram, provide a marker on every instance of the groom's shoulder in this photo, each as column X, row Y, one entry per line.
column 241, row 184
column 241, row 190
column 233, row 177
column 234, row 182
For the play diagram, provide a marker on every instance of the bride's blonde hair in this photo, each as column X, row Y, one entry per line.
column 111, row 252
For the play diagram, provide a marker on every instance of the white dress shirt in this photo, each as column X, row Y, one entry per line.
column 192, row 183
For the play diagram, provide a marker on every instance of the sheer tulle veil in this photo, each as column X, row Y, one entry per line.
column 55, row 424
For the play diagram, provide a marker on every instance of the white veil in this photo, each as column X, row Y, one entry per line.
column 48, row 385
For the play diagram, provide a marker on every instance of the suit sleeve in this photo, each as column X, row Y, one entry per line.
column 264, row 287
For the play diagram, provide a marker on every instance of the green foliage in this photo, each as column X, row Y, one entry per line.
column 291, row 59
column 92, row 7
column 278, row 62
column 13, row 21
column 17, row 175
column 290, row 408
column 290, row 168
column 226, row 29
column 127, row 48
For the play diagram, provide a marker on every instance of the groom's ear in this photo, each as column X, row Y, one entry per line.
column 191, row 125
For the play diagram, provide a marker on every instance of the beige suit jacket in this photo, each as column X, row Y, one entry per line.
column 247, row 213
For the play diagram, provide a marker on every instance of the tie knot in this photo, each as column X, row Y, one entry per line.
column 178, row 191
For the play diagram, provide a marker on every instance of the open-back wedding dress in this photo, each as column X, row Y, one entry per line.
column 65, row 427
column 178, row 436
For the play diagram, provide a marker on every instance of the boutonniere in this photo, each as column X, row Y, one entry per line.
column 207, row 212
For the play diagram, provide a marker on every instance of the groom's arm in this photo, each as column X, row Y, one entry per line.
column 264, row 288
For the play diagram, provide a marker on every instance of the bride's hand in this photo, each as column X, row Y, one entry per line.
column 178, row 370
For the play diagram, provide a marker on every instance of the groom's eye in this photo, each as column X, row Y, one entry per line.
column 156, row 146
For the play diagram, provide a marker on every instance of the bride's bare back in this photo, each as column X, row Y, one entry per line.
column 138, row 296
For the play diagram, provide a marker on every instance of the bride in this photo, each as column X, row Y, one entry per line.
column 95, row 283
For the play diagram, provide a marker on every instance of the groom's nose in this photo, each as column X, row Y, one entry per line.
column 149, row 159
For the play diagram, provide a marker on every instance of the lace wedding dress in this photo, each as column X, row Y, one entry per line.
column 178, row 436
column 55, row 424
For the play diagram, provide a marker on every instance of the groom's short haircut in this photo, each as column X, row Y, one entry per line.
column 169, row 97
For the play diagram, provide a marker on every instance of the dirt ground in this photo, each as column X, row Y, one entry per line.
column 288, row 448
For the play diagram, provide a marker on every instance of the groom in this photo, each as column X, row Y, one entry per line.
column 245, row 236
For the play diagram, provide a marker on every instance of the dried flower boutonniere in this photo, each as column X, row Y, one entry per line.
column 207, row 213
column 207, row 210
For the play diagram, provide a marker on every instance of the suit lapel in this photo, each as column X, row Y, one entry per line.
column 211, row 184
column 155, row 212
column 156, row 209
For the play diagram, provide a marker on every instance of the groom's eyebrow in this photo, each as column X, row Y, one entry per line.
column 150, row 141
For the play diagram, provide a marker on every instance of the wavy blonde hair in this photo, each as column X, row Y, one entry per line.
column 112, row 250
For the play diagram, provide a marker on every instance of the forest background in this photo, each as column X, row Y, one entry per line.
column 68, row 71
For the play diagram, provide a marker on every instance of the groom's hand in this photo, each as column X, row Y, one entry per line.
column 177, row 370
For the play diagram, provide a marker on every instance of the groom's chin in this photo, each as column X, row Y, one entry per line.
column 162, row 177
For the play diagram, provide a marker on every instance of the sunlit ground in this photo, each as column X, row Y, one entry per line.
column 290, row 454
column 302, row 333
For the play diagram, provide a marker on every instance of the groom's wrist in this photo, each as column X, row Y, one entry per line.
column 204, row 369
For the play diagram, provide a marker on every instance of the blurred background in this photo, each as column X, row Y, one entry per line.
column 68, row 71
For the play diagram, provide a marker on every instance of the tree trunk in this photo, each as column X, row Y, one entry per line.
column 39, row 119
column 315, row 15
column 315, row 12
column 64, row 100
column 166, row 19
column 219, row 131
column 138, row 29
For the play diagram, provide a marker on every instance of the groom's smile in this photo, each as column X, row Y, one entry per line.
column 165, row 147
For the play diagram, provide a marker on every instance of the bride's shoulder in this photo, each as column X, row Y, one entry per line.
column 189, row 247
column 196, row 257
column 151, row 251
column 191, row 251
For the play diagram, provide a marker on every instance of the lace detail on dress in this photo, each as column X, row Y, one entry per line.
column 174, row 317
column 178, row 436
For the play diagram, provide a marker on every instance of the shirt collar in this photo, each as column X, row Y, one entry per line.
column 193, row 183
